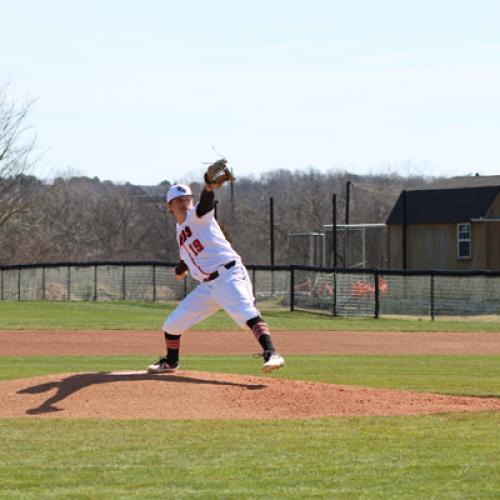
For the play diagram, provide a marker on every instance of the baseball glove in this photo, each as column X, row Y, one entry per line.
column 218, row 173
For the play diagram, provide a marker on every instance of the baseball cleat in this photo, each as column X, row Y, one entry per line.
column 272, row 361
column 162, row 366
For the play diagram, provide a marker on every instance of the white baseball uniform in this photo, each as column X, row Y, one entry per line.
column 205, row 250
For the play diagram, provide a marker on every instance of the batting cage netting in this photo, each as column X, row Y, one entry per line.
column 338, row 292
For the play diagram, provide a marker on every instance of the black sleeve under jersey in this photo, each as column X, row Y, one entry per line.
column 206, row 203
column 181, row 267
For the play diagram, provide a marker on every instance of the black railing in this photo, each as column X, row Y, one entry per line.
column 337, row 292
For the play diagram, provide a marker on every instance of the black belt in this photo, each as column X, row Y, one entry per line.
column 215, row 274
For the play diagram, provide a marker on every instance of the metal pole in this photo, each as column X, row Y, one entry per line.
column 334, row 293
column 271, row 228
column 69, row 283
column 154, row 283
column 311, row 250
column 123, row 283
column 377, row 293
column 43, row 283
column 346, row 233
column 19, row 284
column 363, row 245
column 432, row 298
column 323, row 250
column 347, row 201
column 292, row 288
column 271, row 222
column 404, row 229
column 1, row 284
column 95, row 283
column 334, row 229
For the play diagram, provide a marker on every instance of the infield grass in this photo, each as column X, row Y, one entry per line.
column 46, row 315
column 463, row 375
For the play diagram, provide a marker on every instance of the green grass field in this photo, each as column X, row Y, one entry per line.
column 440, row 456
column 460, row 375
column 35, row 315
column 398, row 457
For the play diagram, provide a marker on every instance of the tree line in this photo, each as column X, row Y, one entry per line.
column 74, row 218
column 83, row 219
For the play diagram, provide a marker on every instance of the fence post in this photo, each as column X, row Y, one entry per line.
column 346, row 232
column 124, row 293
column 404, row 230
column 68, row 284
column 1, row 284
column 154, row 283
column 95, row 283
column 377, row 292
column 19, row 284
column 271, row 230
column 334, row 312
column 292, row 288
column 432, row 296
column 43, row 282
column 334, row 230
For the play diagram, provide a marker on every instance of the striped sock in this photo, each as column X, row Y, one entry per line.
column 173, row 344
column 263, row 335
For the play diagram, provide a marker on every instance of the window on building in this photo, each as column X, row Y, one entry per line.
column 464, row 244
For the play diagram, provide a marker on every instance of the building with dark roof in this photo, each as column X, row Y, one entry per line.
column 446, row 229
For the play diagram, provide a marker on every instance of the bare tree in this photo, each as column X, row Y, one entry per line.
column 16, row 156
column 83, row 219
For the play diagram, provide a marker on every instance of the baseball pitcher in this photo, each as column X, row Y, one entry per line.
column 210, row 259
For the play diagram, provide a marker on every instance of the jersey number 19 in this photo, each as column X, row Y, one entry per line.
column 196, row 247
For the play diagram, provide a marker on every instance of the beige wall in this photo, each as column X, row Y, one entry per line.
column 434, row 246
column 493, row 244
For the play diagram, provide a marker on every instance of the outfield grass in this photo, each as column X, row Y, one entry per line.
column 447, row 456
column 38, row 315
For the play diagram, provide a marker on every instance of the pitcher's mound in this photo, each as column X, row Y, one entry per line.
column 202, row 395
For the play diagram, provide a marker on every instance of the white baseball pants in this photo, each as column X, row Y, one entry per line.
column 231, row 291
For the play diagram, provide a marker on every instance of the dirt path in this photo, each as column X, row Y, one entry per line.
column 202, row 395
column 109, row 342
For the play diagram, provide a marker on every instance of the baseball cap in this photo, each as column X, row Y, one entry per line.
column 178, row 190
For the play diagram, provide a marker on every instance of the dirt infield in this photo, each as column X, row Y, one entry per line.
column 201, row 395
column 112, row 342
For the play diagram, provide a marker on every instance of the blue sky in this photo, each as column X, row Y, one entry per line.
column 141, row 91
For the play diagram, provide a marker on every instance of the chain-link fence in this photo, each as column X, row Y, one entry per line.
column 364, row 292
column 339, row 292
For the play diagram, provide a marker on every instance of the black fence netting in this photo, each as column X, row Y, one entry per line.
column 338, row 292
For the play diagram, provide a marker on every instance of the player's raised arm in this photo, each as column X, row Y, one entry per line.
column 206, row 203
column 216, row 176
